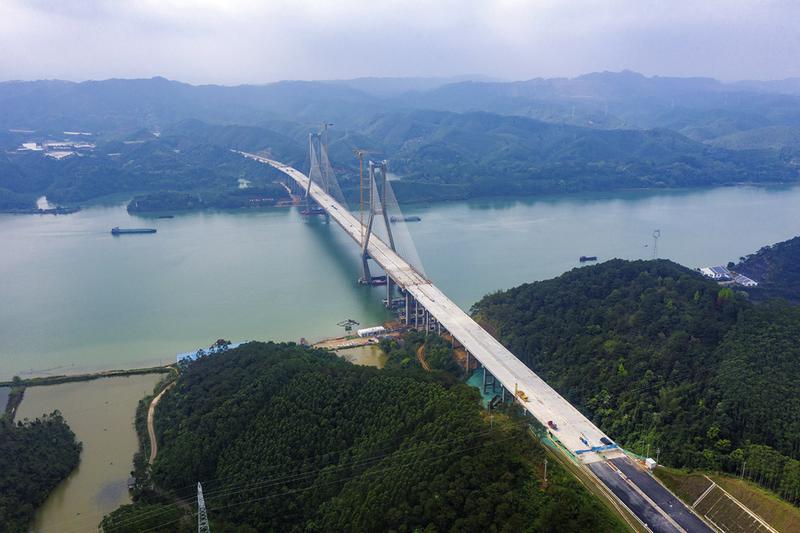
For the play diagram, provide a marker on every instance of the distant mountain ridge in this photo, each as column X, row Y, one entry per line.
column 605, row 99
column 456, row 140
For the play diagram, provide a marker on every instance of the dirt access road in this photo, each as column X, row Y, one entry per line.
column 151, row 412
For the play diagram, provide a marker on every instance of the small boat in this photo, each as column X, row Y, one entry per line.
column 126, row 231
column 312, row 211
column 585, row 258
column 166, row 216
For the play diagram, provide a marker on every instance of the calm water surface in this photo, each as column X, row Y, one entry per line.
column 369, row 355
column 74, row 298
column 101, row 413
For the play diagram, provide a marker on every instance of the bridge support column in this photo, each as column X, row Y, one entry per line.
column 484, row 379
column 468, row 365
column 416, row 315
column 388, row 292
column 407, row 308
column 427, row 316
column 503, row 389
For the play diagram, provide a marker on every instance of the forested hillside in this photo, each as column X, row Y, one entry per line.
column 35, row 456
column 481, row 154
column 177, row 162
column 286, row 438
column 597, row 132
column 664, row 359
column 777, row 270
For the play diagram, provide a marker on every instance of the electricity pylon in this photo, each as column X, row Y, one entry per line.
column 656, row 235
column 202, row 516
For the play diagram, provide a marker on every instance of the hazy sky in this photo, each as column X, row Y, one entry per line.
column 249, row 41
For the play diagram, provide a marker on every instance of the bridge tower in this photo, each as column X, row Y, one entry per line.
column 374, row 203
column 320, row 171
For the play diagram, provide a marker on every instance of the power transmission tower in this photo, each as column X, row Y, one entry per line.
column 656, row 235
column 202, row 516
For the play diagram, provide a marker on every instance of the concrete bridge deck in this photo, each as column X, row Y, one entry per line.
column 646, row 499
column 544, row 403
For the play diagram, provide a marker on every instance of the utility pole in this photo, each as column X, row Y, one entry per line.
column 202, row 516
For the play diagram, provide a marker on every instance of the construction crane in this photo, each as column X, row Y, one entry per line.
column 348, row 324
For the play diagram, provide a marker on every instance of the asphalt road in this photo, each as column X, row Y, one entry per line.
column 623, row 490
column 668, row 503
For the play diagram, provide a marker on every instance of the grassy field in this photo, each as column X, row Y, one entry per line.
column 779, row 514
column 688, row 487
column 719, row 509
column 724, row 512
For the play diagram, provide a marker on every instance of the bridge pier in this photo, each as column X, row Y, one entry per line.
column 406, row 308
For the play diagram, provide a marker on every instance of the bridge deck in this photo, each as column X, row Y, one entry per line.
column 544, row 402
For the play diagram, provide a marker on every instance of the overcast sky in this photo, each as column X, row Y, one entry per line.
column 249, row 41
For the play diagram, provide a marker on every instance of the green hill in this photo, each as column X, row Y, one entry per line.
column 479, row 154
column 35, row 456
column 661, row 358
column 286, row 438
column 777, row 270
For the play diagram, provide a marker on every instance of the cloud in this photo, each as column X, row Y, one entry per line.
column 238, row 41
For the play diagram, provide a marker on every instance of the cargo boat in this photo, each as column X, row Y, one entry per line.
column 410, row 218
column 585, row 258
column 122, row 231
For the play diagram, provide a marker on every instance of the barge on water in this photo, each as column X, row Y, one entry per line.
column 126, row 231
column 409, row 218
column 585, row 258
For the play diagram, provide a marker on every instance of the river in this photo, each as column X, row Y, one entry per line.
column 76, row 298
column 101, row 414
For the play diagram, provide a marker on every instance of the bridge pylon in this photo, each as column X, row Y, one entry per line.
column 374, row 203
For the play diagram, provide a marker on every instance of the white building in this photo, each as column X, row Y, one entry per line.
column 744, row 281
column 369, row 332
column 716, row 272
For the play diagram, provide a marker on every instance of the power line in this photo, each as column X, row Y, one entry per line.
column 302, row 476
column 315, row 486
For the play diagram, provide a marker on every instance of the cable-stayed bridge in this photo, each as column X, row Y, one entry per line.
column 423, row 305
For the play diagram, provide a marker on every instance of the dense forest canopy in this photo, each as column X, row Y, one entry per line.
column 776, row 268
column 662, row 358
column 285, row 438
column 35, row 456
